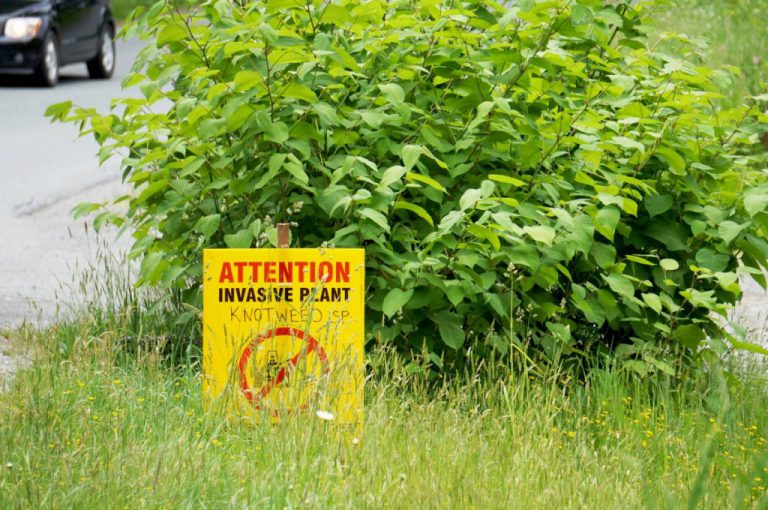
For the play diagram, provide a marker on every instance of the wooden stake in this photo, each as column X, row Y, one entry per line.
column 283, row 235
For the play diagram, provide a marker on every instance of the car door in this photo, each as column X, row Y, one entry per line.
column 78, row 22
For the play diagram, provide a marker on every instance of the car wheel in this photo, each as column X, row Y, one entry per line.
column 103, row 64
column 47, row 71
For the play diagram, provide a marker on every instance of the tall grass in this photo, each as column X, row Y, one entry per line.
column 100, row 427
column 734, row 33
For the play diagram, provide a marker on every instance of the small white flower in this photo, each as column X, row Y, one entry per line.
column 9, row 465
column 325, row 415
column 355, row 441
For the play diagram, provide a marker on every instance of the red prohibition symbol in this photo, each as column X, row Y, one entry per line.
column 255, row 396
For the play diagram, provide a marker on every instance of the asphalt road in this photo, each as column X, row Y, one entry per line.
column 45, row 170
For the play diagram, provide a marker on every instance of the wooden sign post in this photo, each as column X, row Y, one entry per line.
column 283, row 331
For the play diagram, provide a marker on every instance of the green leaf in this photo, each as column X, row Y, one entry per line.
column 672, row 235
column 729, row 230
column 710, row 259
column 450, row 327
column 482, row 232
column 469, row 199
column 294, row 167
column 246, row 80
column 620, row 284
column 756, row 200
column 658, row 204
column 375, row 216
column 242, row 239
column 392, row 175
column 59, row 110
column 410, row 155
column 420, row 211
column 270, row 34
column 429, row 181
column 606, row 221
column 669, row 264
column 393, row 92
column 673, row 159
column 395, row 300
column 505, row 179
column 277, row 132
column 653, row 301
column 276, row 162
column 210, row 128
column 299, row 91
column 208, row 225
column 541, row 233
column 373, row 118
column 749, row 347
column 171, row 33
column 689, row 335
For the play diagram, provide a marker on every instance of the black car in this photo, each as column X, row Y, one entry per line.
column 39, row 36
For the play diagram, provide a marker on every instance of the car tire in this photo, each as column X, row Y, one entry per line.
column 47, row 71
column 102, row 66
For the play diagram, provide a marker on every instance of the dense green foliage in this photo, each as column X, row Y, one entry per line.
column 122, row 9
column 527, row 177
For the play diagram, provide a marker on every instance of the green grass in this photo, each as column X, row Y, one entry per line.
column 122, row 8
column 98, row 428
column 735, row 33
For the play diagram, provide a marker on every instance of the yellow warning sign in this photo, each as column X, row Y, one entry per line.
column 283, row 332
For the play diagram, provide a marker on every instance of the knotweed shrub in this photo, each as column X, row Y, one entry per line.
column 530, row 176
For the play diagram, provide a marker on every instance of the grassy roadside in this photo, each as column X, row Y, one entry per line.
column 734, row 32
column 101, row 429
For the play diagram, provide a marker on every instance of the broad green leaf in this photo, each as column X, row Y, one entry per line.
column 756, row 200
column 729, row 230
column 410, row 155
column 541, row 233
column 246, row 80
column 429, row 181
column 450, row 328
column 674, row 160
column 241, row 239
column 672, row 235
column 420, row 211
column 689, row 335
column 294, row 167
column 606, row 221
column 485, row 233
column 469, row 199
column 395, row 300
column 208, row 225
column 375, row 216
column 653, row 301
column 658, row 204
column 620, row 284
column 393, row 92
column 299, row 91
column 669, row 264
column 276, row 162
column 392, row 175
column 710, row 259
column 277, row 132
column 58, row 111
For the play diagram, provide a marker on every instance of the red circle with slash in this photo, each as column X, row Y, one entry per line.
column 255, row 396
